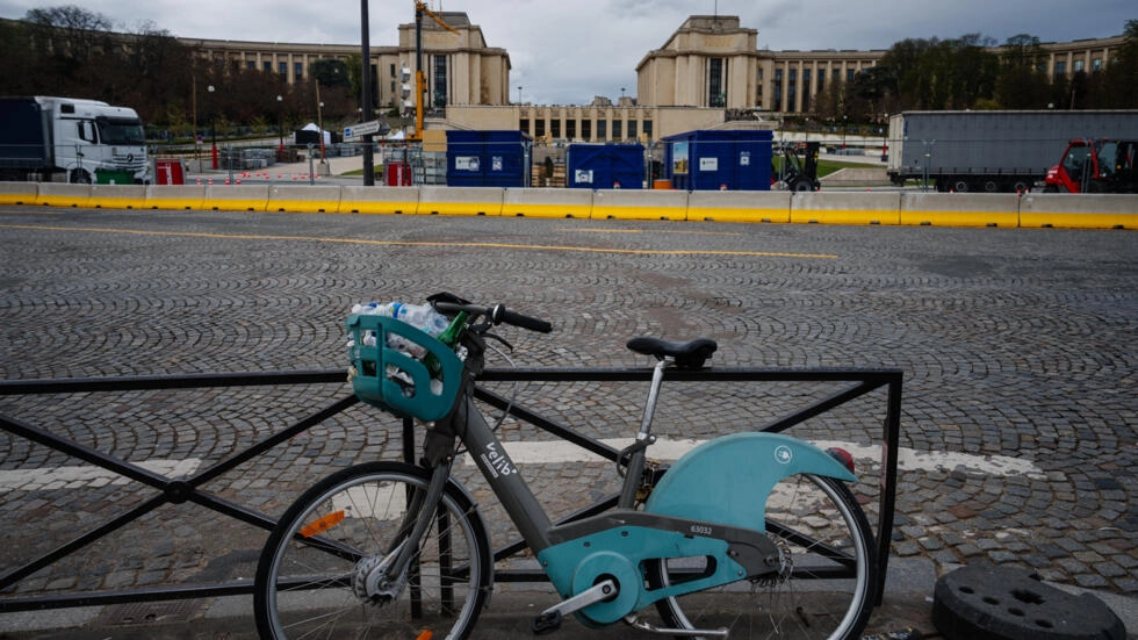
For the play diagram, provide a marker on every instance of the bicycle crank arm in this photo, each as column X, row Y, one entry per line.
column 648, row 627
column 550, row 619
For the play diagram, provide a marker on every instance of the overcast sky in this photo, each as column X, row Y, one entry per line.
column 567, row 51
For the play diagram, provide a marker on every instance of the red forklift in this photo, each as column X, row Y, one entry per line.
column 1095, row 166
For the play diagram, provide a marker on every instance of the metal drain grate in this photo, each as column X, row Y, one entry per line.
column 149, row 613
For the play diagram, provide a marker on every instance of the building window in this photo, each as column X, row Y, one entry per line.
column 778, row 89
column 850, row 73
column 282, row 68
column 647, row 126
column 393, row 70
column 792, row 90
column 571, row 129
column 1079, row 65
column 251, row 65
column 617, row 128
column 586, row 130
column 836, row 76
column 524, row 126
column 716, row 91
column 298, row 70
column 821, row 82
column 602, row 130
column 539, row 131
column 1096, row 64
column 806, row 89
column 267, row 66
column 440, row 84
column 555, row 128
column 632, row 135
column 1060, row 67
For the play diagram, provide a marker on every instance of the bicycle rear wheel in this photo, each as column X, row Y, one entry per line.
column 824, row 588
column 331, row 537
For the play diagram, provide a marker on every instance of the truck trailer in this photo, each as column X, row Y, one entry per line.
column 67, row 139
column 993, row 151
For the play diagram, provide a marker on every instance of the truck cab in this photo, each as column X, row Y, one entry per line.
column 1095, row 166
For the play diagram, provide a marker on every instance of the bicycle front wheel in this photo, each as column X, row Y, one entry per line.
column 823, row 589
column 339, row 531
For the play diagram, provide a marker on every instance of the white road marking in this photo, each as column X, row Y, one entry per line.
column 86, row 476
column 561, row 452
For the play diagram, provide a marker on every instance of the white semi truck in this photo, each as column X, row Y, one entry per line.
column 72, row 140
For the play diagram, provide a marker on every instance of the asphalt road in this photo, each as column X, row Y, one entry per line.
column 1019, row 413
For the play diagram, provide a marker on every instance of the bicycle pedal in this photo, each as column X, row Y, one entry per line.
column 546, row 623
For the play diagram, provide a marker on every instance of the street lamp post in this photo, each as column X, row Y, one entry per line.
column 212, row 129
column 843, row 132
column 365, row 92
column 280, row 126
column 519, row 94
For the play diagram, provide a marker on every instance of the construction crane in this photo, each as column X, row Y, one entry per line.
column 421, row 9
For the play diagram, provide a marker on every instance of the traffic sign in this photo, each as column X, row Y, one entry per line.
column 364, row 129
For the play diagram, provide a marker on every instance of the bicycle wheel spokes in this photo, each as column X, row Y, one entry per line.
column 332, row 541
column 822, row 589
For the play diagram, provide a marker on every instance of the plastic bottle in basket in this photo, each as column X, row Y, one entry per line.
column 423, row 317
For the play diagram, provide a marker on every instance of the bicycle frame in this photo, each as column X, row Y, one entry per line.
column 576, row 556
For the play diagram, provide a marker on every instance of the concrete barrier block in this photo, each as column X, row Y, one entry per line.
column 18, row 193
column 179, row 197
column 112, row 196
column 236, row 197
column 640, row 204
column 548, row 203
column 739, row 206
column 960, row 209
column 380, row 200
column 1071, row 211
column 461, row 201
column 59, row 194
column 304, row 199
column 846, row 207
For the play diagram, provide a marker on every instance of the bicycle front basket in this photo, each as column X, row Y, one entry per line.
column 394, row 381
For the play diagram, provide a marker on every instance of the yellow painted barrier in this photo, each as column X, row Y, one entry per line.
column 111, row 196
column 236, row 197
column 382, row 200
column 640, row 204
column 739, row 206
column 846, row 208
column 304, row 199
column 1091, row 211
column 177, row 197
column 18, row 193
column 960, row 209
column 53, row 194
column 548, row 203
column 460, row 201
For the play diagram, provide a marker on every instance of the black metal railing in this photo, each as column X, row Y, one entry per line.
column 177, row 491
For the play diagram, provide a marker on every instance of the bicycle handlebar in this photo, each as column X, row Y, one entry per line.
column 497, row 314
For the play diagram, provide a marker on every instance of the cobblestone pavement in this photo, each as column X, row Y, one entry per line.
column 1018, row 349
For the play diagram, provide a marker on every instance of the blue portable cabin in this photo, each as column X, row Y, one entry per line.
column 717, row 159
column 605, row 166
column 488, row 159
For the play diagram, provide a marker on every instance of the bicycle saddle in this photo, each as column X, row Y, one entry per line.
column 688, row 355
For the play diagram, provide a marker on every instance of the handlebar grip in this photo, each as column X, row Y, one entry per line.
column 519, row 320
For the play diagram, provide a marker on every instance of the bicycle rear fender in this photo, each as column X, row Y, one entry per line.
column 727, row 480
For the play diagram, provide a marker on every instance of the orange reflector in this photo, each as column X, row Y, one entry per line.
column 320, row 525
column 425, row 634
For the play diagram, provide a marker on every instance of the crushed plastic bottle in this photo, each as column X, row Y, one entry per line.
column 423, row 317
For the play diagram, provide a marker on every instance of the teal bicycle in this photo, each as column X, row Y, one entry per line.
column 750, row 535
